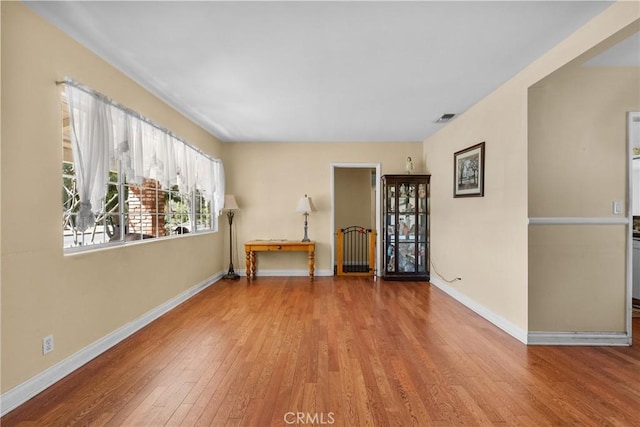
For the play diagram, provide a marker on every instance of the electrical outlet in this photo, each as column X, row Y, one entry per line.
column 47, row 344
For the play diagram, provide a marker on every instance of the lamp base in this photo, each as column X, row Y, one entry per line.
column 231, row 275
column 305, row 238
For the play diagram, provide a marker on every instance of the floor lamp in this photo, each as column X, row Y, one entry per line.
column 230, row 206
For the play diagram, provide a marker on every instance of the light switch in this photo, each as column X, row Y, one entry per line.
column 617, row 207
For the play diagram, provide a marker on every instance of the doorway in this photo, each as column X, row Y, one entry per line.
column 355, row 197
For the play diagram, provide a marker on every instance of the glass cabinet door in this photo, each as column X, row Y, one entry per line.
column 405, row 216
column 391, row 198
column 422, row 233
column 407, row 228
column 389, row 239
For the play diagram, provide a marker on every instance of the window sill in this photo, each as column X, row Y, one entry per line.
column 79, row 250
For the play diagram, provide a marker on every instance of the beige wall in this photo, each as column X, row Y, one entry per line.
column 577, row 167
column 353, row 198
column 269, row 178
column 577, row 140
column 577, row 278
column 485, row 240
column 80, row 298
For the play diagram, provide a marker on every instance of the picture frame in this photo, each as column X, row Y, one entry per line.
column 468, row 171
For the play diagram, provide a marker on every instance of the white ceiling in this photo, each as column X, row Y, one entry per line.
column 320, row 71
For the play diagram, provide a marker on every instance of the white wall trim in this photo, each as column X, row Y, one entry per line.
column 577, row 221
column 28, row 389
column 499, row 321
column 579, row 338
column 633, row 139
column 284, row 273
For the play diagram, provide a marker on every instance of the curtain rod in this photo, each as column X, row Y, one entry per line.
column 127, row 110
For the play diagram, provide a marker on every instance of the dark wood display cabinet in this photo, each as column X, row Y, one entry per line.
column 405, row 232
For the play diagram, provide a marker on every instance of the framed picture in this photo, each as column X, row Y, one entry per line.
column 468, row 172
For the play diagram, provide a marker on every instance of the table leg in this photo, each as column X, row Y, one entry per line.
column 253, row 264
column 247, row 264
column 311, row 264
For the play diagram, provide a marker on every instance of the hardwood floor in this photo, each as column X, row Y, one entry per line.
column 348, row 351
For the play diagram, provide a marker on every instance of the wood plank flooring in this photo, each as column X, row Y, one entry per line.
column 343, row 352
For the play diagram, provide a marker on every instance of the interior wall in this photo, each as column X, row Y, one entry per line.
column 352, row 197
column 577, row 140
column 484, row 240
column 578, row 159
column 577, row 278
column 269, row 178
column 79, row 298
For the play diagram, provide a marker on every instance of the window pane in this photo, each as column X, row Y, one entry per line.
column 72, row 237
column 177, row 209
column 203, row 212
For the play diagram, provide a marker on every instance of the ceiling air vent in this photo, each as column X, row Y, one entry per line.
column 445, row 118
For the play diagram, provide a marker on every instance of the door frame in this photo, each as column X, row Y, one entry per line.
column 633, row 131
column 378, row 168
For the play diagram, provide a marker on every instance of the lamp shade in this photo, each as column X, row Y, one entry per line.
column 230, row 203
column 305, row 205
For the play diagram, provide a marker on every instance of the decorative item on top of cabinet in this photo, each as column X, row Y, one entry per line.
column 405, row 237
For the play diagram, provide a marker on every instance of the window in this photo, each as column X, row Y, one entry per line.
column 149, row 183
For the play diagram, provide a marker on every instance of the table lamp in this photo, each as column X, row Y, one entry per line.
column 305, row 206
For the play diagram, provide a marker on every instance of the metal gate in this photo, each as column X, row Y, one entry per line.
column 356, row 247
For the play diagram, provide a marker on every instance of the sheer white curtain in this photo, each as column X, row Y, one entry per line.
column 210, row 181
column 121, row 147
column 149, row 153
column 219, row 184
column 129, row 148
column 91, row 133
column 204, row 172
column 163, row 167
column 103, row 134
column 186, row 168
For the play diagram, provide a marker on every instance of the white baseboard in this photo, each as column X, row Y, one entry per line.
column 28, row 389
column 535, row 338
column 286, row 273
column 502, row 323
column 579, row 338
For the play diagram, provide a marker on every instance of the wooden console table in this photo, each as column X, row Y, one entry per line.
column 253, row 246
